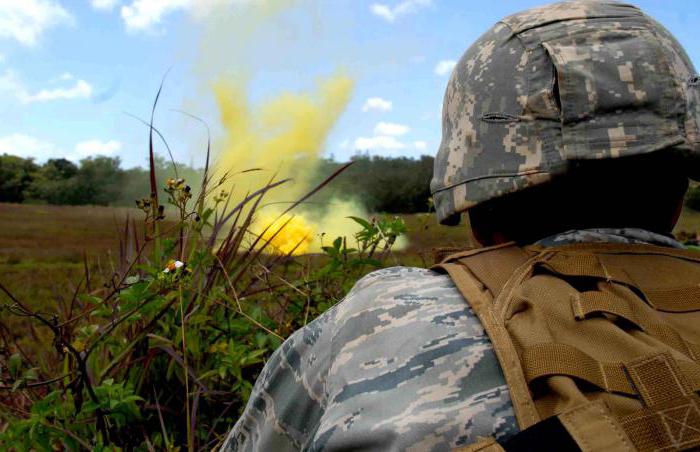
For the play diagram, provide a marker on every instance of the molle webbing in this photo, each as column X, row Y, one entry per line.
column 591, row 328
column 543, row 360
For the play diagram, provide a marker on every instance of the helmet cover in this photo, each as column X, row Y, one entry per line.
column 576, row 80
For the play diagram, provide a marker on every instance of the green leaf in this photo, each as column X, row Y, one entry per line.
column 14, row 364
column 362, row 222
column 31, row 374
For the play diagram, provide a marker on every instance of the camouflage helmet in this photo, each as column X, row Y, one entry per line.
column 570, row 81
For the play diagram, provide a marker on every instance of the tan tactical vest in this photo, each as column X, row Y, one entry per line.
column 602, row 340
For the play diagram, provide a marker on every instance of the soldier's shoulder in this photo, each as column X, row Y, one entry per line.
column 398, row 285
column 398, row 273
column 400, row 278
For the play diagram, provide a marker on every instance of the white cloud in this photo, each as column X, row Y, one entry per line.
column 26, row 20
column 27, row 146
column 11, row 83
column 377, row 103
column 66, row 76
column 382, row 11
column 80, row 90
column 445, row 67
column 96, row 147
column 105, row 5
column 146, row 15
column 378, row 143
column 143, row 15
column 390, row 129
column 420, row 145
column 390, row 14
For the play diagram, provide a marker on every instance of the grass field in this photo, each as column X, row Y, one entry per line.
column 42, row 247
column 127, row 339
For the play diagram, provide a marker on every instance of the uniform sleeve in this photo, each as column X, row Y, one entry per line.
column 288, row 398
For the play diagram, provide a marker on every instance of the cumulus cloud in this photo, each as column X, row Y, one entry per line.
column 379, row 143
column 80, row 90
column 378, row 104
column 26, row 20
column 143, row 15
column 386, row 137
column 91, row 148
column 105, row 5
column 146, row 15
column 27, row 146
column 445, row 67
column 11, row 83
column 390, row 14
column 390, row 129
column 420, row 145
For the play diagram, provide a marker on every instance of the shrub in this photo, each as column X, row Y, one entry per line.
column 164, row 353
column 16, row 175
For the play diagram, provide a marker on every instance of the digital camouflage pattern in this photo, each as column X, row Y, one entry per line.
column 552, row 85
column 611, row 235
column 402, row 363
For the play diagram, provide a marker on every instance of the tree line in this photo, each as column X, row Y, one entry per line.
column 93, row 181
column 381, row 184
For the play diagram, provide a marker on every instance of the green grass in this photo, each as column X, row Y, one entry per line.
column 44, row 251
column 42, row 247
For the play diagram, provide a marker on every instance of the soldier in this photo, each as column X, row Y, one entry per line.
column 569, row 134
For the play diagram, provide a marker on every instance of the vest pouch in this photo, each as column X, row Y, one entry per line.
column 595, row 336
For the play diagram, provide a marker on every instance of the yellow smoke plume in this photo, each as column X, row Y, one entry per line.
column 286, row 136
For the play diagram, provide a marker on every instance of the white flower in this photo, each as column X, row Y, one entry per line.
column 173, row 265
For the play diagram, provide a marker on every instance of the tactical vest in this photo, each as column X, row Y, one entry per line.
column 599, row 343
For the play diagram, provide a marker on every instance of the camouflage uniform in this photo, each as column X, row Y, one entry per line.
column 401, row 363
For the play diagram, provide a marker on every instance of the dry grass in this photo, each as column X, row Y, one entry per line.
column 41, row 247
column 45, row 233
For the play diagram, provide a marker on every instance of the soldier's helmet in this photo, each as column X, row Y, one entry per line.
column 550, row 86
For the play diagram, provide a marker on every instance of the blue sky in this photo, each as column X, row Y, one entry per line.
column 70, row 70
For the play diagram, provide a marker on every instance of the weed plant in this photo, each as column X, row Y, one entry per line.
column 162, row 353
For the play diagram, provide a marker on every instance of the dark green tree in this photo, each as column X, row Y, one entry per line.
column 55, row 183
column 381, row 184
column 16, row 175
column 99, row 180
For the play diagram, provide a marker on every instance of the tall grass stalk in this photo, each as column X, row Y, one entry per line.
column 180, row 328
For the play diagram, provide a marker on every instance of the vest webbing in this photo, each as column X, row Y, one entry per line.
column 604, row 338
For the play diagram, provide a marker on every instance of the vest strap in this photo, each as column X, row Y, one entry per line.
column 549, row 359
column 594, row 428
column 658, row 379
column 671, row 426
column 620, row 303
column 545, row 360
column 472, row 290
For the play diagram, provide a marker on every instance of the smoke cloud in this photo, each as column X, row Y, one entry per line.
column 285, row 134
